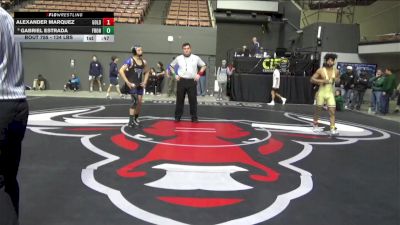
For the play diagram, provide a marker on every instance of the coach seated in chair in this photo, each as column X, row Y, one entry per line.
column 73, row 83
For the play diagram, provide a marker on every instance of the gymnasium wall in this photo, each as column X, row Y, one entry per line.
column 334, row 37
column 53, row 59
column 271, row 35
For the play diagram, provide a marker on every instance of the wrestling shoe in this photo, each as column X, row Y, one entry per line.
column 271, row 103
column 317, row 129
column 137, row 122
column 334, row 132
column 131, row 124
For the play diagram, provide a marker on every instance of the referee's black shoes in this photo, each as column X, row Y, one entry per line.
column 177, row 119
column 195, row 120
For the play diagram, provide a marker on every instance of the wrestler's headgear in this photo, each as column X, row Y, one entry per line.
column 134, row 49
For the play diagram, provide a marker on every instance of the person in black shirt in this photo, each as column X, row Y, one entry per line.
column 113, row 77
column 132, row 73
column 95, row 73
column 360, row 86
column 255, row 47
column 347, row 84
column 152, row 82
column 160, row 72
column 244, row 52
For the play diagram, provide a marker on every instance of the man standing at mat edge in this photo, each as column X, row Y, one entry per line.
column 187, row 79
column 14, row 108
column 276, row 80
column 326, row 77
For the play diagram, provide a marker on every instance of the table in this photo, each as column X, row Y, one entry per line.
column 258, row 65
column 257, row 88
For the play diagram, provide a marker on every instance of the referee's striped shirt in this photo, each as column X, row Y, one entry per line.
column 11, row 78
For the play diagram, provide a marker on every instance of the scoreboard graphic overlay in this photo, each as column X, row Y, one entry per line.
column 64, row 26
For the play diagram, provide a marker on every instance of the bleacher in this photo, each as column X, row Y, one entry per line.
column 4, row 2
column 188, row 13
column 7, row 3
column 125, row 11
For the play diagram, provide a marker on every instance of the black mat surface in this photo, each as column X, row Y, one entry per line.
column 296, row 176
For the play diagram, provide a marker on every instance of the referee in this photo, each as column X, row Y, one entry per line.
column 187, row 78
column 13, row 108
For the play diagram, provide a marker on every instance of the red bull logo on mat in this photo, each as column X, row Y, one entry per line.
column 215, row 171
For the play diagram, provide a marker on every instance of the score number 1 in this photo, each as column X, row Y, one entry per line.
column 108, row 21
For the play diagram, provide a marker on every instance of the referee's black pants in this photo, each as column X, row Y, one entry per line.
column 184, row 86
column 13, row 121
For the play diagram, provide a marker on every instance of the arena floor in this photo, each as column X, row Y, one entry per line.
column 242, row 163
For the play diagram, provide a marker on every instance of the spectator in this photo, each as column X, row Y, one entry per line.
column 222, row 78
column 276, row 80
column 73, row 83
column 315, row 89
column 388, row 87
column 114, row 77
column 160, row 72
column 339, row 100
column 39, row 83
column 95, row 73
column 255, row 47
column 377, row 84
column 244, row 52
column 398, row 99
column 171, row 79
column 361, row 85
column 152, row 82
column 347, row 85
column 201, row 84
column 229, row 69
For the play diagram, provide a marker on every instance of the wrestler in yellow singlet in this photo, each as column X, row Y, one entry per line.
column 325, row 93
column 326, row 77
